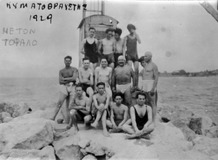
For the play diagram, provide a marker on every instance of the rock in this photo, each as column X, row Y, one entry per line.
column 9, row 108
column 200, row 125
column 46, row 153
column 96, row 149
column 206, row 145
column 7, row 119
column 89, row 157
column 215, row 157
column 212, row 132
column 67, row 148
column 21, row 109
column 4, row 115
column 26, row 133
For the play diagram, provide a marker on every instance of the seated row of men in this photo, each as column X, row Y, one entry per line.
column 120, row 80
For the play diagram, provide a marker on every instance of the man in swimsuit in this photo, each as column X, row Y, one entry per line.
column 90, row 48
column 148, row 79
column 103, row 73
column 119, row 46
column 100, row 107
column 130, row 43
column 141, row 119
column 86, row 78
column 79, row 109
column 106, row 47
column 119, row 113
column 67, row 79
column 121, row 79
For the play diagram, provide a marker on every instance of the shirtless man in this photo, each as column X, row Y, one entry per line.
column 67, row 79
column 119, row 46
column 86, row 78
column 79, row 109
column 130, row 44
column 106, row 47
column 100, row 107
column 90, row 48
column 141, row 119
column 103, row 73
column 148, row 79
column 119, row 114
column 121, row 79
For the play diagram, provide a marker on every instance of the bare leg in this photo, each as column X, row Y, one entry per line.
column 73, row 120
column 152, row 99
column 90, row 92
column 136, row 67
column 128, row 129
column 87, row 119
column 103, row 119
column 143, row 134
column 128, row 97
column 62, row 97
column 95, row 123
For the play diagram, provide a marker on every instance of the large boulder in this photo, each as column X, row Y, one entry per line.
column 47, row 153
column 26, row 133
column 206, row 145
column 89, row 157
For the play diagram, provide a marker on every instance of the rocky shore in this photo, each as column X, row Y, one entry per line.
column 179, row 134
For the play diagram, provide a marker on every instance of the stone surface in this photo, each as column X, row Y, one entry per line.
column 212, row 132
column 4, row 116
column 26, row 133
column 20, row 109
column 206, row 145
column 46, row 153
column 89, row 157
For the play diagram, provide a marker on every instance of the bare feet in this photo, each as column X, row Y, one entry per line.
column 95, row 125
column 106, row 134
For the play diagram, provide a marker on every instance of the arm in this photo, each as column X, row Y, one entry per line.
column 109, row 77
column 91, row 79
column 149, row 122
column 113, row 80
column 100, row 47
column 132, row 115
column 96, row 76
column 107, row 102
column 95, row 102
column 61, row 78
column 125, row 117
column 133, row 77
column 87, row 109
column 155, row 70
column 80, row 76
column 82, row 48
column 74, row 78
column 138, row 38
column 140, row 81
column 112, row 118
column 124, row 46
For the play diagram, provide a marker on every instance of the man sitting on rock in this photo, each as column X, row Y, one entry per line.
column 80, row 108
column 119, row 113
column 100, row 107
column 141, row 119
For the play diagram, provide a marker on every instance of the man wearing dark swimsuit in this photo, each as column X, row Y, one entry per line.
column 141, row 119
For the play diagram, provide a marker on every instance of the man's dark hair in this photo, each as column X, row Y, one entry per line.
column 92, row 28
column 68, row 57
column 100, row 83
column 141, row 59
column 118, row 31
column 131, row 26
column 79, row 85
column 141, row 93
column 103, row 57
column 118, row 94
column 86, row 58
column 109, row 30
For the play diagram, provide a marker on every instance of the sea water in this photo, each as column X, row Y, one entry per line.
column 199, row 94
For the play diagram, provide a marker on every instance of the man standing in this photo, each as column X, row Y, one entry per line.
column 67, row 80
column 86, row 78
column 80, row 109
column 90, row 48
column 121, row 79
column 141, row 119
column 118, row 46
column 106, row 47
column 148, row 79
column 103, row 73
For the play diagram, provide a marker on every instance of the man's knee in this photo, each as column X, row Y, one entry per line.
column 87, row 118
column 90, row 91
column 73, row 112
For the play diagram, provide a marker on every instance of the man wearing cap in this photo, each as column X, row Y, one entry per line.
column 121, row 79
column 148, row 79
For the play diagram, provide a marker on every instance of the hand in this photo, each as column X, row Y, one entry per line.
column 114, row 89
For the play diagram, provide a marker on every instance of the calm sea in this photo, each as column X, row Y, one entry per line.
column 199, row 94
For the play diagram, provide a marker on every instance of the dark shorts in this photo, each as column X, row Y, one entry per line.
column 92, row 58
column 116, row 55
column 85, row 86
column 109, row 57
column 132, row 57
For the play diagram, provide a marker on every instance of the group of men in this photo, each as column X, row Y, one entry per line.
column 104, row 93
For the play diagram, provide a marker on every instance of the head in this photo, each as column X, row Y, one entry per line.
column 109, row 33
column 118, row 33
column 86, row 63
column 141, row 98
column 131, row 28
column 147, row 56
column 101, row 87
column 142, row 61
column 121, row 61
column 104, row 62
column 67, row 61
column 79, row 90
column 118, row 98
column 92, row 31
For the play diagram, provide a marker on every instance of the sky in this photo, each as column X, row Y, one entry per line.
column 180, row 35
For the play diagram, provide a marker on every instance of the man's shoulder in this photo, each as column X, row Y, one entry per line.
column 124, row 106
column 109, row 68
